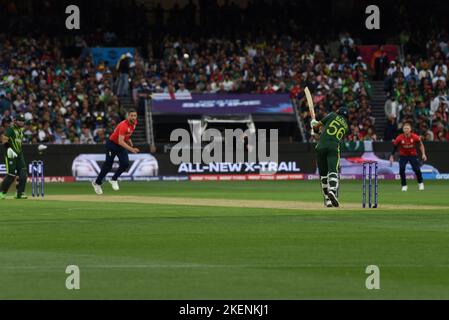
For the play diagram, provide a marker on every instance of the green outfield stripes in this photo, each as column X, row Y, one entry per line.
column 173, row 248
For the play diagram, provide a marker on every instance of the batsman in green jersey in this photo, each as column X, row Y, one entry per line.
column 328, row 152
column 14, row 160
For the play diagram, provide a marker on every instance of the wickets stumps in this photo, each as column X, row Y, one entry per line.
column 369, row 173
column 37, row 178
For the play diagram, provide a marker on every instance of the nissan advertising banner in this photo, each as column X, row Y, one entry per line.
column 220, row 104
column 296, row 161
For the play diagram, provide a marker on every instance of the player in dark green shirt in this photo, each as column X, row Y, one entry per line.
column 328, row 152
column 15, row 162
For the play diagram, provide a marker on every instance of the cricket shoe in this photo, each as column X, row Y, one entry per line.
column 327, row 202
column 21, row 196
column 97, row 188
column 114, row 184
column 2, row 196
column 420, row 186
column 333, row 199
column 404, row 188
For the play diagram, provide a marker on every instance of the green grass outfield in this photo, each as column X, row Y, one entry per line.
column 222, row 249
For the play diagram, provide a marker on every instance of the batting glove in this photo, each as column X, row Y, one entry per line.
column 314, row 123
column 11, row 154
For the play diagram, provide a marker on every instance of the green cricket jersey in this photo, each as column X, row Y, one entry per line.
column 335, row 128
column 15, row 136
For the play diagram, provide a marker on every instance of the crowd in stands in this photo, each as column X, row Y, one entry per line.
column 63, row 100
column 418, row 93
column 68, row 99
column 267, row 65
column 73, row 101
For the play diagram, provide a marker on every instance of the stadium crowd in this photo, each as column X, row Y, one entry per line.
column 63, row 100
column 267, row 65
column 417, row 92
column 68, row 99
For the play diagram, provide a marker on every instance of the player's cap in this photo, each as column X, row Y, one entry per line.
column 343, row 112
column 20, row 117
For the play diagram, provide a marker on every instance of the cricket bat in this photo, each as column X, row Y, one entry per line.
column 310, row 103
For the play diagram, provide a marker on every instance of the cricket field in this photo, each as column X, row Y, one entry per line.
column 225, row 240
